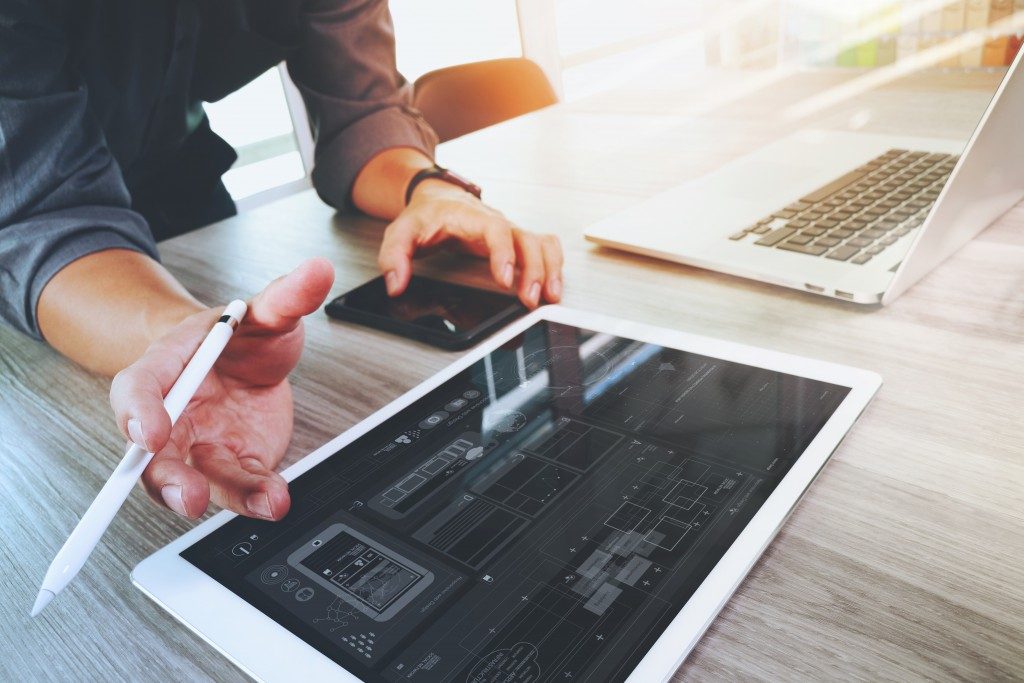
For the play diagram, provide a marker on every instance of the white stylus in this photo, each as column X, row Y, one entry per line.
column 97, row 518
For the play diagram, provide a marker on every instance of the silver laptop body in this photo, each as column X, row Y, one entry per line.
column 856, row 216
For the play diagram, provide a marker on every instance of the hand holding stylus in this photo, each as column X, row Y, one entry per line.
column 235, row 430
column 208, row 412
column 90, row 528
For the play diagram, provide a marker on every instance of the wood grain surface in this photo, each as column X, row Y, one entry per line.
column 904, row 561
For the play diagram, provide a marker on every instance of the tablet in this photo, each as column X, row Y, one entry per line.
column 575, row 500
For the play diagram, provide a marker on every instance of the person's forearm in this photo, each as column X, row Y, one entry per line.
column 104, row 309
column 379, row 189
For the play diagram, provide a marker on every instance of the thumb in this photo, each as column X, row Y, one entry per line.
column 396, row 251
column 282, row 304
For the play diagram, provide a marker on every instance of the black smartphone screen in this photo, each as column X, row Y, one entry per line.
column 437, row 312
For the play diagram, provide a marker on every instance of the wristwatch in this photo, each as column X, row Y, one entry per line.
column 441, row 173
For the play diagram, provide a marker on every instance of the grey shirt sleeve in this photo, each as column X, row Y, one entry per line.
column 358, row 103
column 62, row 195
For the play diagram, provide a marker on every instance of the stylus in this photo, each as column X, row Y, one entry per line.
column 97, row 518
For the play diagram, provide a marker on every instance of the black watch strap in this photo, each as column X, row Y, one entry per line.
column 441, row 173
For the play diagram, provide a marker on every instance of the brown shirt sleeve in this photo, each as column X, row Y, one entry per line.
column 358, row 103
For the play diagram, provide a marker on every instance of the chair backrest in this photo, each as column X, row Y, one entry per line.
column 461, row 99
column 455, row 101
column 303, row 142
column 299, row 116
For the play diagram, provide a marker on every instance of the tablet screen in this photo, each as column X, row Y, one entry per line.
column 543, row 515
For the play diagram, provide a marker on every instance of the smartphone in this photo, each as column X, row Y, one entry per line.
column 440, row 313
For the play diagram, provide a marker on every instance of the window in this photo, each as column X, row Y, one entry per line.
column 603, row 44
column 588, row 46
column 440, row 33
column 255, row 121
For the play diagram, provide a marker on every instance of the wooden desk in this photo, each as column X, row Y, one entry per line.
column 906, row 558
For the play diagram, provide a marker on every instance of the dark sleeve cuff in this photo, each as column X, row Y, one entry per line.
column 25, row 271
column 340, row 160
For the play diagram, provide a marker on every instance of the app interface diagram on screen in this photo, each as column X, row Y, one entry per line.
column 541, row 516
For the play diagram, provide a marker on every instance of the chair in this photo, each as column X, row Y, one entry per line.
column 462, row 99
column 538, row 82
column 455, row 100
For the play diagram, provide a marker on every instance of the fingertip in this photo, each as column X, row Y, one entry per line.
column 267, row 497
column 319, row 271
column 287, row 299
column 533, row 295
column 280, row 499
column 554, row 289
column 277, row 492
column 506, row 274
column 187, row 502
column 503, row 269
column 553, row 259
column 397, row 268
column 397, row 246
column 316, row 277
column 197, row 499
column 150, row 429
column 395, row 283
column 136, row 397
column 177, row 486
column 529, row 294
column 135, row 433
column 321, row 263
column 269, row 502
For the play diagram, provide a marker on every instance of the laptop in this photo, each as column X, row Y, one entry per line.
column 855, row 216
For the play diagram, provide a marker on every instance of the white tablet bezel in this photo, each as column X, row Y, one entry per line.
column 268, row 651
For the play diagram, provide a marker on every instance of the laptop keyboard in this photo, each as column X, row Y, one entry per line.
column 860, row 214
